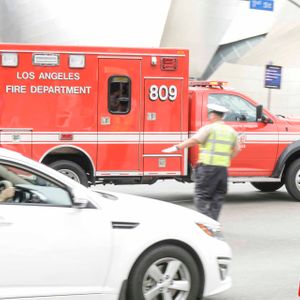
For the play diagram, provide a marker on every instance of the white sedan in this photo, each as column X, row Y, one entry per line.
column 60, row 240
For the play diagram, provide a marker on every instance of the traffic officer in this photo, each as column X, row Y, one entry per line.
column 218, row 144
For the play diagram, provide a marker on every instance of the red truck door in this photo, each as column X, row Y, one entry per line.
column 163, row 126
column 119, row 114
column 258, row 140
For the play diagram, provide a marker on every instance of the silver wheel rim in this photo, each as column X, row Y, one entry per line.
column 70, row 174
column 297, row 180
column 167, row 279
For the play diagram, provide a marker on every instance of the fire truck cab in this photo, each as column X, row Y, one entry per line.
column 270, row 144
column 96, row 114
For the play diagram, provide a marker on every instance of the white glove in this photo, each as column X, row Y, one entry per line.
column 170, row 150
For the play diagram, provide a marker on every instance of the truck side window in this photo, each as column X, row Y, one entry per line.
column 239, row 108
column 119, row 94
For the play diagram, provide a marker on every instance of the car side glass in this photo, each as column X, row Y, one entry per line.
column 29, row 187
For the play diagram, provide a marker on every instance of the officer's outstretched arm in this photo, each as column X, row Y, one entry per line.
column 187, row 143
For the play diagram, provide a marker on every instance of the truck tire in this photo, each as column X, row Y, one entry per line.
column 71, row 169
column 292, row 179
column 140, row 281
column 267, row 186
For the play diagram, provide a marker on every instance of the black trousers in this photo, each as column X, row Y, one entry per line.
column 210, row 189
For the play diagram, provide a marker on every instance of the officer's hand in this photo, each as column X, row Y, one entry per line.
column 170, row 150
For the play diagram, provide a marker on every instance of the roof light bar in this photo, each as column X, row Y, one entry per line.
column 9, row 59
column 211, row 84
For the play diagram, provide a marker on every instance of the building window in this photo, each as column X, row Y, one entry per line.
column 119, row 95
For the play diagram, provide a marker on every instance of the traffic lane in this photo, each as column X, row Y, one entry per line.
column 263, row 230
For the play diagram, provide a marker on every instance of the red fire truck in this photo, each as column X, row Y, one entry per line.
column 103, row 115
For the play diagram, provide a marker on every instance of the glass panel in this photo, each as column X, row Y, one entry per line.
column 18, row 185
column 239, row 108
column 119, row 95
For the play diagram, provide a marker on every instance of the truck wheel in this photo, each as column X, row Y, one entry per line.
column 165, row 272
column 267, row 186
column 292, row 179
column 70, row 169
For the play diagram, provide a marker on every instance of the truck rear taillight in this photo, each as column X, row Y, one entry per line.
column 9, row 59
column 168, row 64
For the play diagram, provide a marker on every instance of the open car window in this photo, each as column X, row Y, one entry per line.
column 21, row 186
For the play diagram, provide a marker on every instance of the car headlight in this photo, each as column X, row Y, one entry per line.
column 211, row 230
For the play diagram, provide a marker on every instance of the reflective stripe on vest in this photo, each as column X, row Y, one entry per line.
column 218, row 148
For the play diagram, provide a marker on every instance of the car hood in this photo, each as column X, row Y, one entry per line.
column 131, row 208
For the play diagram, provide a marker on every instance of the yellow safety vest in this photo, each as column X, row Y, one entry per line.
column 217, row 149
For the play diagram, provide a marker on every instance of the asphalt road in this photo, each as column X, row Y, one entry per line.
column 263, row 230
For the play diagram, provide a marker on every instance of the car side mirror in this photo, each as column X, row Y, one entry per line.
column 79, row 202
column 259, row 113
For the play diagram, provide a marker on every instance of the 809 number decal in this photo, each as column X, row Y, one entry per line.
column 162, row 92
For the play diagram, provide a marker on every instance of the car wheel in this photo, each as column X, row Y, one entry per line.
column 165, row 272
column 292, row 179
column 70, row 169
column 267, row 186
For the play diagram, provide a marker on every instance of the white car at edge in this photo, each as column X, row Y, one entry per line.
column 60, row 240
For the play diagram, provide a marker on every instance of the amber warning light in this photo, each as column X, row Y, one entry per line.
column 209, row 84
column 168, row 64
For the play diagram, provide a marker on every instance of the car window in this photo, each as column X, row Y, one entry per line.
column 21, row 186
column 239, row 108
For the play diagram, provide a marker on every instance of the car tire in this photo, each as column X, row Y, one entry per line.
column 292, row 179
column 267, row 186
column 72, row 170
column 157, row 262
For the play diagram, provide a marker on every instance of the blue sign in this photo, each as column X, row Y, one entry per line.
column 273, row 77
column 262, row 4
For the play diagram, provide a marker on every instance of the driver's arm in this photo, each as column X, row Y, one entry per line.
column 7, row 193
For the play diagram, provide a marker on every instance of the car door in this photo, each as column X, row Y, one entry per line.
column 47, row 247
column 258, row 140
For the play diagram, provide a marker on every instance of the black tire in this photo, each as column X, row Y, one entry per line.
column 72, row 170
column 140, row 282
column 267, row 186
column 292, row 177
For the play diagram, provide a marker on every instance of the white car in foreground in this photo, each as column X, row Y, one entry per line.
column 60, row 240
